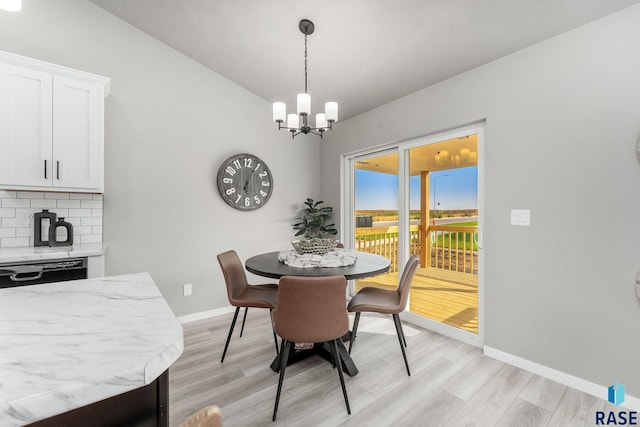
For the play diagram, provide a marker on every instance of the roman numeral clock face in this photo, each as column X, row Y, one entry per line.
column 245, row 182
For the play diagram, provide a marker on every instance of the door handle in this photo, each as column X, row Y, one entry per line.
column 478, row 237
column 18, row 275
column 14, row 277
column 58, row 169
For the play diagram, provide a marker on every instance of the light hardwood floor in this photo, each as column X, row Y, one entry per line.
column 452, row 384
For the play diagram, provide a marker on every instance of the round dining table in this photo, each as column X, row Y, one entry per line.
column 366, row 265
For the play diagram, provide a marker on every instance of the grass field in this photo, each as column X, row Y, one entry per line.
column 446, row 240
column 392, row 215
column 463, row 239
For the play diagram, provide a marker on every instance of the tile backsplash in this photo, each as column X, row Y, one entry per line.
column 83, row 211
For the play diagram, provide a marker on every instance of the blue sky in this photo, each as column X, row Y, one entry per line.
column 457, row 190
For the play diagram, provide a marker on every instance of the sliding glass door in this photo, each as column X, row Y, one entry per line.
column 422, row 198
column 375, row 212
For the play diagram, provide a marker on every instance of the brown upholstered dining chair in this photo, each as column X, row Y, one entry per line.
column 242, row 294
column 311, row 309
column 386, row 301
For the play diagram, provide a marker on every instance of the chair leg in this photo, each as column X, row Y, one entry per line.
column 404, row 340
column 398, row 323
column 243, row 319
column 233, row 323
column 275, row 337
column 278, row 357
column 354, row 330
column 284, row 354
column 338, row 361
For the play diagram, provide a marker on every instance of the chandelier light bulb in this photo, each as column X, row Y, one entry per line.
column 304, row 104
column 321, row 120
column 279, row 112
column 293, row 121
column 331, row 111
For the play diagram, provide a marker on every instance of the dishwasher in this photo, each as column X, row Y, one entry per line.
column 37, row 272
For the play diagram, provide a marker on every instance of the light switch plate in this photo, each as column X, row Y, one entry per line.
column 520, row 217
column 187, row 289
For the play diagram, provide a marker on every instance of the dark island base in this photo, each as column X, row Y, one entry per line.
column 144, row 407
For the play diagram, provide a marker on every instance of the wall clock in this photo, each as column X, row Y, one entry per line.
column 245, row 182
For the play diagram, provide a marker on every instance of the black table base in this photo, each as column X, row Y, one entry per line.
column 323, row 350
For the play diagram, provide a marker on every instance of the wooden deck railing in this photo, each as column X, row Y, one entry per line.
column 450, row 247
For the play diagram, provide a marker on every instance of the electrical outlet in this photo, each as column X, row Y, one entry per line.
column 187, row 289
column 22, row 220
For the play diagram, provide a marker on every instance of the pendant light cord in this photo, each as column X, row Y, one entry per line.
column 305, row 63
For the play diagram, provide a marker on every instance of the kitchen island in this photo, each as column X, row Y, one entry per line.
column 87, row 352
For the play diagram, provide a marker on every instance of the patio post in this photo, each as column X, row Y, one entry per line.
column 425, row 242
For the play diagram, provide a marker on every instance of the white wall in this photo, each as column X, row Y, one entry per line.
column 562, row 123
column 169, row 124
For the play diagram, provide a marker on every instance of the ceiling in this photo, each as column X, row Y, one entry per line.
column 363, row 53
column 444, row 155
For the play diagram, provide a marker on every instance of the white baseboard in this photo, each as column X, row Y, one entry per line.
column 580, row 384
column 205, row 314
column 442, row 329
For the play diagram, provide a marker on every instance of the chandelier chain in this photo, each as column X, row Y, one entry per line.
column 305, row 63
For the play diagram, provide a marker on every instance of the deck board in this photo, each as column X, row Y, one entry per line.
column 449, row 297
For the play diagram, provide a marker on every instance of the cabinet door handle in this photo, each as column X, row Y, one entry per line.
column 45, row 168
column 58, row 169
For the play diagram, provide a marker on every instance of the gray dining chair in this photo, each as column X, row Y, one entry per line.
column 311, row 310
column 242, row 294
column 386, row 301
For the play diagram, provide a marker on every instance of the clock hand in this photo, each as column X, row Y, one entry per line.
column 246, row 184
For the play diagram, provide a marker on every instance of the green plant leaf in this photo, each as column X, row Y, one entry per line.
column 312, row 223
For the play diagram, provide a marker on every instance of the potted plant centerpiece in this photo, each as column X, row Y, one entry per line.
column 314, row 227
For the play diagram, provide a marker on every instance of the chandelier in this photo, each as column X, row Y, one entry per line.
column 299, row 123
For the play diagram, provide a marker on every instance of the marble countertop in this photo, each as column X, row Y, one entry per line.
column 8, row 255
column 69, row 344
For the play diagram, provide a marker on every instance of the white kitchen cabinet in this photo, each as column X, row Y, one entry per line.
column 51, row 127
column 77, row 135
column 26, row 105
